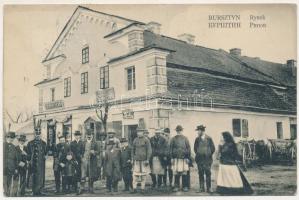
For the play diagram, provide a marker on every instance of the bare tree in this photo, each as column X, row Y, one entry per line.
column 19, row 116
column 102, row 107
column 102, row 111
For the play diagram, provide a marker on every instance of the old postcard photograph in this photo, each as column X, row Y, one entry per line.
column 139, row 100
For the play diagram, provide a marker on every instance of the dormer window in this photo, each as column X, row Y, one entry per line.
column 85, row 55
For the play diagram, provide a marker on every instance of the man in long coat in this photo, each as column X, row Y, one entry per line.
column 180, row 157
column 112, row 161
column 10, row 165
column 22, row 166
column 204, row 149
column 159, row 157
column 101, row 155
column 89, row 167
column 37, row 152
column 58, row 153
column 77, row 149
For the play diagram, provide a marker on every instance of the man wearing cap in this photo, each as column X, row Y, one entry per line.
column 141, row 153
column 168, row 171
column 37, row 152
column 10, row 165
column 77, row 148
column 112, row 161
column 158, row 158
column 58, row 153
column 180, row 154
column 22, row 166
column 126, row 164
column 89, row 168
column 204, row 149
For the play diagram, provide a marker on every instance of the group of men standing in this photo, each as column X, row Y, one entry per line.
column 22, row 162
column 83, row 161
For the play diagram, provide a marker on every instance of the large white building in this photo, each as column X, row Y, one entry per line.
column 162, row 80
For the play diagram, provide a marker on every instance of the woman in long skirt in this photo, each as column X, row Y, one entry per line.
column 231, row 180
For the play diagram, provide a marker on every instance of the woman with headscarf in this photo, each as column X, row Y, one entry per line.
column 231, row 180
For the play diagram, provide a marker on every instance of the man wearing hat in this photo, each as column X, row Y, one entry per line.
column 10, row 165
column 112, row 161
column 141, row 153
column 37, row 152
column 77, row 149
column 158, row 158
column 89, row 168
column 126, row 164
column 58, row 153
column 22, row 166
column 204, row 149
column 168, row 171
column 180, row 155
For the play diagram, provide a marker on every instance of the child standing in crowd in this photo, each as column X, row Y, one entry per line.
column 70, row 170
column 126, row 164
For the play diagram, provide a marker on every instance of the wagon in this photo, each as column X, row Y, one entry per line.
column 282, row 150
column 247, row 150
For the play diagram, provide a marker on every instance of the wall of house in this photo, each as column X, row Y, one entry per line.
column 260, row 126
column 88, row 30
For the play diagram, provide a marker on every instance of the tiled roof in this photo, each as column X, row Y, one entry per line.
column 209, row 60
column 229, row 92
column 280, row 72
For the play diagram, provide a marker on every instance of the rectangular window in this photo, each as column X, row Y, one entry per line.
column 279, row 130
column 240, row 128
column 67, row 87
column 104, row 77
column 131, row 78
column 52, row 94
column 84, row 82
column 85, row 55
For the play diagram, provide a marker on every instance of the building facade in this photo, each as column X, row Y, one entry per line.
column 161, row 81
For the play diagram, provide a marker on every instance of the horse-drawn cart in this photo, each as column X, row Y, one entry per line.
column 282, row 150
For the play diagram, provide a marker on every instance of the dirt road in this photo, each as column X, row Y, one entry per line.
column 265, row 180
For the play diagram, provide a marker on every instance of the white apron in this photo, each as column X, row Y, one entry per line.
column 229, row 177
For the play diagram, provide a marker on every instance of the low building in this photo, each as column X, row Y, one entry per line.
column 160, row 80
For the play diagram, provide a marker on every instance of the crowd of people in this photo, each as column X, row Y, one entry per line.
column 80, row 162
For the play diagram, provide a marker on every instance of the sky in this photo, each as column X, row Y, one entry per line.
column 30, row 31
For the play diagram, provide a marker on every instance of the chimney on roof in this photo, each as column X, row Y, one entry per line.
column 235, row 52
column 154, row 27
column 291, row 63
column 186, row 37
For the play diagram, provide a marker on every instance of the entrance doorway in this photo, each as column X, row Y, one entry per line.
column 51, row 139
column 67, row 130
column 293, row 128
column 131, row 133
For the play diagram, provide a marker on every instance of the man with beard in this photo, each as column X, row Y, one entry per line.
column 37, row 152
